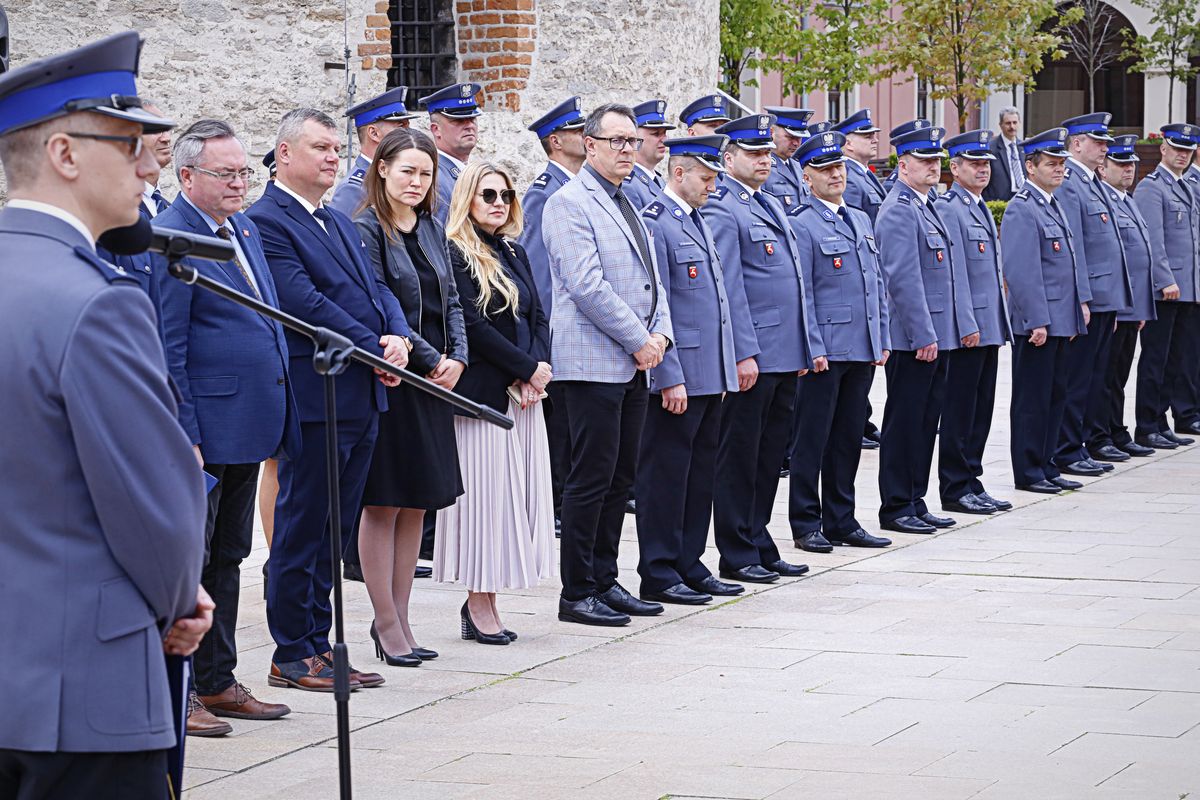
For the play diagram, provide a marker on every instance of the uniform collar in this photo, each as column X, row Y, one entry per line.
column 1046, row 195
column 1091, row 173
column 452, row 159
column 649, row 173
column 747, row 189
column 832, row 206
column 58, row 213
column 974, row 197
column 674, row 198
column 566, row 172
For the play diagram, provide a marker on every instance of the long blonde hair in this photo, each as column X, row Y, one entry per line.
column 485, row 267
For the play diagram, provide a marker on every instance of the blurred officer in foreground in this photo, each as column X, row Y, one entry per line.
column 454, row 126
column 373, row 120
column 103, row 499
column 683, row 420
column 971, row 382
column 790, row 131
column 841, row 265
column 702, row 117
column 645, row 182
column 1112, row 440
column 1047, row 312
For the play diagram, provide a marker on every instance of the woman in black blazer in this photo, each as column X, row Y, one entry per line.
column 500, row 532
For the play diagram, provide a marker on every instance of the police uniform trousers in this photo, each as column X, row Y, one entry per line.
column 1184, row 369
column 755, row 427
column 1120, row 363
column 300, row 569
column 1087, row 362
column 1039, row 397
column 916, row 391
column 830, row 409
column 229, row 535
column 1164, row 344
column 966, row 419
column 677, row 470
column 606, row 422
column 140, row 774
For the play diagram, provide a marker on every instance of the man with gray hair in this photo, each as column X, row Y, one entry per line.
column 234, row 421
column 1008, row 170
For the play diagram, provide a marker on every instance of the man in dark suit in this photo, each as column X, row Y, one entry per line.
column 1008, row 170
column 453, row 124
column 322, row 276
column 230, row 365
column 103, row 501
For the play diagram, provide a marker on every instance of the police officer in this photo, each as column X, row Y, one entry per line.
column 678, row 455
column 645, row 182
column 790, row 131
column 1047, row 311
column 863, row 189
column 453, row 124
column 971, row 378
column 841, row 265
column 373, row 120
column 702, row 117
column 1172, row 214
column 1111, row 440
column 775, row 338
column 930, row 315
column 899, row 130
column 103, row 499
column 1185, row 400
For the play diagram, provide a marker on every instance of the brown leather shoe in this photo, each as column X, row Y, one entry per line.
column 201, row 722
column 367, row 680
column 237, row 702
column 310, row 674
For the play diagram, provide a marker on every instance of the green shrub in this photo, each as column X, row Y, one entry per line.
column 997, row 208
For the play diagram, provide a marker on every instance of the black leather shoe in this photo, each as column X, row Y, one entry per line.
column 936, row 521
column 1189, row 427
column 711, row 585
column 1065, row 483
column 785, row 569
column 1108, row 452
column 421, row 571
column 871, row 433
column 869, row 444
column 909, row 524
column 751, row 574
column 630, row 506
column 786, row 469
column 1099, row 464
column 1080, row 468
column 1001, row 505
column 618, row 599
column 1156, row 441
column 814, row 542
column 1171, row 437
column 860, row 538
column 969, row 504
column 352, row 572
column 591, row 610
column 1136, row 450
column 679, row 594
column 1041, row 487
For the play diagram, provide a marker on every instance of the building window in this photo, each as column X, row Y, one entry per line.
column 835, row 110
column 927, row 107
column 423, row 57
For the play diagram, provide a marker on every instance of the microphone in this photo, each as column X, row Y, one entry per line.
column 142, row 236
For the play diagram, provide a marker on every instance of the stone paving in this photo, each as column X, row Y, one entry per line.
column 1049, row 652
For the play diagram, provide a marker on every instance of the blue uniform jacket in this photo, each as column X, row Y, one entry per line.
column 1100, row 259
column 842, row 269
column 316, row 282
column 1172, row 216
column 544, row 185
column 349, row 195
column 772, row 312
column 641, row 188
column 140, row 267
column 1135, row 238
column 929, row 294
column 786, row 183
column 863, row 189
column 447, row 176
column 973, row 235
column 702, row 358
column 230, row 363
column 1039, row 266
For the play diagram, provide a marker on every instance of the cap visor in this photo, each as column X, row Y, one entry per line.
column 711, row 163
column 1124, row 158
column 1051, row 152
column 151, row 123
column 711, row 119
column 755, row 144
column 457, row 113
column 865, row 130
column 1101, row 137
column 395, row 118
column 977, row 156
column 666, row 126
column 1178, row 145
column 923, row 153
column 821, row 162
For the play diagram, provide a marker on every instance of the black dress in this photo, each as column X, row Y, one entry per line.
column 415, row 464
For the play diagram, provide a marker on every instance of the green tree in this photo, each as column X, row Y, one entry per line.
column 750, row 28
column 1169, row 48
column 838, row 48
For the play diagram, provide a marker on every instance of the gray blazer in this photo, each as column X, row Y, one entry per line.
column 976, row 241
column 607, row 302
column 1135, row 237
column 1100, row 257
column 1039, row 267
column 104, row 505
column 1172, row 214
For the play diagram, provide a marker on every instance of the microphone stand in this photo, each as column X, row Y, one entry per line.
column 332, row 353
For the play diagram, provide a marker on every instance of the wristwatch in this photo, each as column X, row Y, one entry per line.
column 407, row 342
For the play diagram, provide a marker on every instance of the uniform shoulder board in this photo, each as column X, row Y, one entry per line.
column 541, row 181
column 357, row 176
column 110, row 273
column 1153, row 176
column 719, row 192
column 903, row 198
column 653, row 210
column 1021, row 195
column 1066, row 173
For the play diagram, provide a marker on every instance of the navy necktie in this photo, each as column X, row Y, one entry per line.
column 634, row 228
column 160, row 202
column 846, row 219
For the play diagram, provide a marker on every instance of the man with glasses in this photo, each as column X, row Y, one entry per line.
column 373, row 120
column 610, row 326
column 234, row 421
column 645, row 182
column 454, row 126
column 103, row 500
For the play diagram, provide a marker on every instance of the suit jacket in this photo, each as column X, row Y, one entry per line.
column 976, row 242
column 1172, row 216
column 505, row 346
column 1135, row 237
column 863, row 189
column 326, row 282
column 641, row 189
column 842, row 268
column 532, row 206
column 702, row 359
column 447, row 177
column 1000, row 184
column 230, row 363
column 786, row 183
column 772, row 310
column 1039, row 266
column 607, row 301
column 929, row 293
column 349, row 195
column 104, row 504
column 1099, row 256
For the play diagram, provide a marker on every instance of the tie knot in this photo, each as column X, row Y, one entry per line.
column 323, row 214
column 223, row 233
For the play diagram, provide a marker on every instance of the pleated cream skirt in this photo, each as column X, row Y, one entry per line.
column 499, row 534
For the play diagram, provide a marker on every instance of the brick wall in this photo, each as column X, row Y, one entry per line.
column 376, row 51
column 495, row 48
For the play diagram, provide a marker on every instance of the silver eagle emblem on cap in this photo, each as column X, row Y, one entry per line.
column 465, row 91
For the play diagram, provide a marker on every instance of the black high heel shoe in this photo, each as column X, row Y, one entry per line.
column 407, row 660
column 469, row 631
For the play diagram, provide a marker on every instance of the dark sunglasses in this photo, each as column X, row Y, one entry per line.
column 506, row 196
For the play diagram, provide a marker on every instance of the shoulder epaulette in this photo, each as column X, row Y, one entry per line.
column 1021, row 195
column 1066, row 173
column 903, row 198
column 719, row 192
column 653, row 210
column 1153, row 176
column 356, row 177
column 110, row 272
column 541, row 181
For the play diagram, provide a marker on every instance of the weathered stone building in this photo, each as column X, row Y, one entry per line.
column 249, row 61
